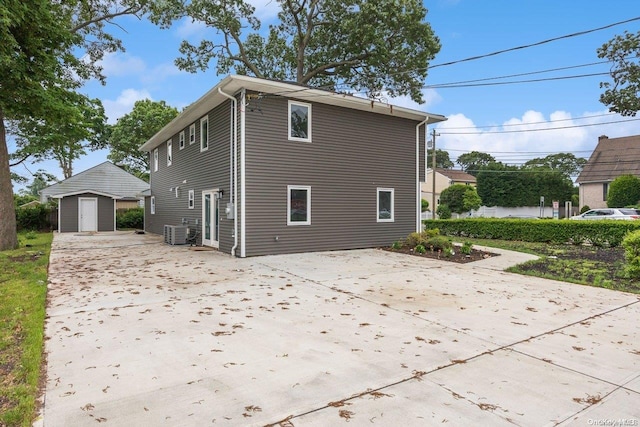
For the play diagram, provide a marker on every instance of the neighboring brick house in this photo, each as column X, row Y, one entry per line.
column 263, row 167
column 611, row 158
column 444, row 179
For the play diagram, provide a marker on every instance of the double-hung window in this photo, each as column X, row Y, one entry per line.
column 385, row 205
column 169, row 152
column 153, row 205
column 155, row 160
column 298, row 205
column 192, row 133
column 299, row 121
column 181, row 140
column 204, row 133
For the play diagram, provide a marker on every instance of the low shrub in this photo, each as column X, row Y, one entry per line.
column 631, row 245
column 443, row 212
column 466, row 248
column 584, row 209
column 420, row 249
column 130, row 218
column 439, row 243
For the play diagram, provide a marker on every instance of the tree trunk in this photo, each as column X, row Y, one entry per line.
column 8, row 233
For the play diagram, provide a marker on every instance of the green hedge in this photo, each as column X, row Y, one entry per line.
column 35, row 218
column 599, row 232
column 130, row 218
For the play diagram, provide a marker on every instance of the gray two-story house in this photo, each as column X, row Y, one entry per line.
column 263, row 167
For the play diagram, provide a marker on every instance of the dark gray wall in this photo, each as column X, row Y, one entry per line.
column 69, row 212
column 352, row 153
column 202, row 170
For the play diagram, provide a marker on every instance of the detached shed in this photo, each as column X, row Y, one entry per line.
column 86, row 210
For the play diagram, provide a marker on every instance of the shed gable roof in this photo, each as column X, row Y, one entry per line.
column 611, row 158
column 233, row 84
column 105, row 178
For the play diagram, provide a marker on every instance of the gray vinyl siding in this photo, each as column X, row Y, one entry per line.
column 69, row 212
column 202, row 170
column 352, row 153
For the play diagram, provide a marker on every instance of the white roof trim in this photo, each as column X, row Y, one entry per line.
column 233, row 84
column 75, row 193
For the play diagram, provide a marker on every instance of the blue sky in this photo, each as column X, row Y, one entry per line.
column 466, row 28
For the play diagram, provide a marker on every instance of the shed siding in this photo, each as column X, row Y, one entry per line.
column 352, row 153
column 69, row 212
column 202, row 170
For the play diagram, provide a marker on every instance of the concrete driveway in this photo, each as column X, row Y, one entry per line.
column 143, row 334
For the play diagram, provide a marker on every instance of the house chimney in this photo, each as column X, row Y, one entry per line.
column 601, row 137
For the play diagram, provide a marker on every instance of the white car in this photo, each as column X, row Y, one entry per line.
column 610, row 213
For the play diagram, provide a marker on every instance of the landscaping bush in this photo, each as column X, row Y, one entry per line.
column 443, row 212
column 584, row 209
column 34, row 218
column 631, row 245
column 624, row 191
column 130, row 218
column 599, row 233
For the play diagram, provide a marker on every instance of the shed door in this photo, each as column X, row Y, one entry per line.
column 87, row 214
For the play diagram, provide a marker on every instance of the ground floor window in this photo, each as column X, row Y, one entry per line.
column 298, row 205
column 385, row 205
column 153, row 205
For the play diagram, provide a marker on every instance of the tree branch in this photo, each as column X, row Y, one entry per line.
column 20, row 161
column 132, row 10
column 322, row 68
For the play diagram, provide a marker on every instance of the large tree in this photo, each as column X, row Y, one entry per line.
column 442, row 159
column 368, row 46
column 134, row 129
column 624, row 191
column 566, row 163
column 622, row 95
column 473, row 161
column 460, row 198
column 38, row 63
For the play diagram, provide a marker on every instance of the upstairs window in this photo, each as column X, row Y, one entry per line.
column 298, row 205
column 169, row 152
column 155, row 160
column 385, row 205
column 181, row 140
column 192, row 133
column 299, row 121
column 204, row 133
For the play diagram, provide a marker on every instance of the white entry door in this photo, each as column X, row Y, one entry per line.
column 87, row 214
column 210, row 218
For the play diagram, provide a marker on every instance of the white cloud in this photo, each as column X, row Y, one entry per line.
column 161, row 72
column 188, row 28
column 119, row 64
column 115, row 109
column 266, row 10
column 430, row 96
column 520, row 139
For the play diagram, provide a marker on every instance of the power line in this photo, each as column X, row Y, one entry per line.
column 539, row 130
column 530, row 123
column 580, row 33
column 578, row 76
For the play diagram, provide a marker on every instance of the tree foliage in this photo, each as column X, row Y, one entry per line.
column 473, row 161
column 511, row 186
column 566, row 163
column 134, row 129
column 621, row 95
column 460, row 198
column 624, row 191
column 442, row 159
column 367, row 45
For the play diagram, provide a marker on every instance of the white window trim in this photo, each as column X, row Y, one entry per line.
column 153, row 205
column 155, row 160
column 393, row 208
column 192, row 133
column 204, row 120
column 192, row 199
column 181, row 140
column 169, row 152
column 298, row 187
column 292, row 138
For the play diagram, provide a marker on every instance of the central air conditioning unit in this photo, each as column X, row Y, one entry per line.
column 175, row 234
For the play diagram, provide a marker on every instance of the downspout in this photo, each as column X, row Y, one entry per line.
column 243, row 223
column 418, row 192
column 233, row 168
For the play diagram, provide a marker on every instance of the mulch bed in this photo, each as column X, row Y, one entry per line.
column 459, row 257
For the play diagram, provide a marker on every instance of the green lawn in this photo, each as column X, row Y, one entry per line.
column 23, row 291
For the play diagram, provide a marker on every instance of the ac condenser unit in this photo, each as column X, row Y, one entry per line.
column 175, row 234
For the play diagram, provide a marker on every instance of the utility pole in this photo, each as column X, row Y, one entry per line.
column 433, row 174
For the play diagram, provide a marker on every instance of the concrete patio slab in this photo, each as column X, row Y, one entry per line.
column 141, row 333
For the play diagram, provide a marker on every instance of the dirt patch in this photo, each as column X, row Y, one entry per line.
column 457, row 256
